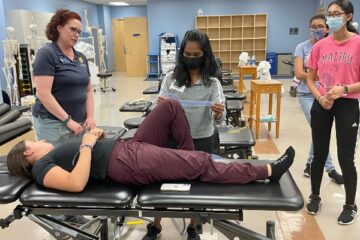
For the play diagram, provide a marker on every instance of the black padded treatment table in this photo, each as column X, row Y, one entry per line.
column 205, row 201
column 10, row 124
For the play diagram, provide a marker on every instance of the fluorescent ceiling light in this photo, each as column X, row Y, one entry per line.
column 119, row 3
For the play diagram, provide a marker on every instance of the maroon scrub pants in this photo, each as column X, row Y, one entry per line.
column 144, row 158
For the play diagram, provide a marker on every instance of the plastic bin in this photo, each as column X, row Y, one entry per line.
column 271, row 58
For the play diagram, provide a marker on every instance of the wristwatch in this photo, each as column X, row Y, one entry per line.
column 346, row 90
column 67, row 119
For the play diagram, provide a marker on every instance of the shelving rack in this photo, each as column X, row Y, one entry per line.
column 168, row 44
column 232, row 34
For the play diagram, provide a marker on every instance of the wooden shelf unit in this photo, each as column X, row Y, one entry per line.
column 232, row 34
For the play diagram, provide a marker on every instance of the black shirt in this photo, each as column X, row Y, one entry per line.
column 67, row 155
column 71, row 79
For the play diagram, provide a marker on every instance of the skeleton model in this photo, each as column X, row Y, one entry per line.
column 102, row 50
column 87, row 26
column 35, row 42
column 11, row 49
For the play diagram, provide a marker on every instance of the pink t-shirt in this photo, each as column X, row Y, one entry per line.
column 336, row 63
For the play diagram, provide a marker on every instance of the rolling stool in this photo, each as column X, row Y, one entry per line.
column 103, row 78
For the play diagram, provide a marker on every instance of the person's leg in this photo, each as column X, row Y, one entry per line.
column 321, row 123
column 155, row 164
column 167, row 120
column 52, row 131
column 346, row 123
column 306, row 102
column 204, row 144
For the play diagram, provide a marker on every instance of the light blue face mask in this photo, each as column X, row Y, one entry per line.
column 318, row 34
column 335, row 23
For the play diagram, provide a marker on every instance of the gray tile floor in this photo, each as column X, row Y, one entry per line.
column 294, row 131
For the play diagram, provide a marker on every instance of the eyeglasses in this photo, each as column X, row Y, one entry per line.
column 334, row 14
column 314, row 27
column 75, row 30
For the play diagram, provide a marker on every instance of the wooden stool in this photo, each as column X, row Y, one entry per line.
column 259, row 87
column 246, row 70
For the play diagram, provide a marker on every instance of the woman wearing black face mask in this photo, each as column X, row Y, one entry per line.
column 318, row 30
column 194, row 79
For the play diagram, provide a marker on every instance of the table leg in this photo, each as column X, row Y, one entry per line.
column 254, row 75
column 241, row 83
column 278, row 105
column 270, row 110
column 251, row 108
column 257, row 114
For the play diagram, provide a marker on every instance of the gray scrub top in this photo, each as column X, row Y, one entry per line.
column 200, row 118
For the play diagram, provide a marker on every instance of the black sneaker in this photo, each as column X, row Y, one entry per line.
column 348, row 215
column 314, row 205
column 192, row 235
column 152, row 232
column 307, row 170
column 336, row 177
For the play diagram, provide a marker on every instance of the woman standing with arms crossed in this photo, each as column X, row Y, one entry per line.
column 318, row 30
column 336, row 61
column 194, row 79
column 65, row 103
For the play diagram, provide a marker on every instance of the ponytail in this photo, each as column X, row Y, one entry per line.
column 351, row 28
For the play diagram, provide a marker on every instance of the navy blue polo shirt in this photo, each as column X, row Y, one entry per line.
column 71, row 79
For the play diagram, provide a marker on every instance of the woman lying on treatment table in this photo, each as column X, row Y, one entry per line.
column 140, row 160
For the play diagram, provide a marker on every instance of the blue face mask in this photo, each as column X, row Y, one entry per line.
column 318, row 34
column 335, row 23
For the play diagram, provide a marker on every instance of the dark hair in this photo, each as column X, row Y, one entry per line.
column 348, row 8
column 16, row 161
column 322, row 17
column 60, row 18
column 208, row 68
column 318, row 16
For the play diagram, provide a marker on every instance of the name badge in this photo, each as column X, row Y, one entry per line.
column 177, row 88
column 64, row 60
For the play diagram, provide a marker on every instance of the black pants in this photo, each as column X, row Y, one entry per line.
column 346, row 115
column 204, row 144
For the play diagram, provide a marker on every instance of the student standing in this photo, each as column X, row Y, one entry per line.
column 335, row 60
column 318, row 31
